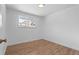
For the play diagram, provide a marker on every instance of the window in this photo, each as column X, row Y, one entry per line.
column 24, row 22
column 0, row 20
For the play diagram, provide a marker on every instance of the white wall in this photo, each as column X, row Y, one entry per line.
column 19, row 35
column 3, row 29
column 63, row 27
column 3, row 13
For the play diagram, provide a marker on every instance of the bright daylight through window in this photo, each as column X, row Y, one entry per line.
column 24, row 22
column 0, row 20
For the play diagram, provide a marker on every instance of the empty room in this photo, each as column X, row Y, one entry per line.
column 39, row 29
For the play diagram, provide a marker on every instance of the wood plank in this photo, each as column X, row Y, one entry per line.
column 40, row 47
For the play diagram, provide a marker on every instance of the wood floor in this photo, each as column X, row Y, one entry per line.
column 40, row 47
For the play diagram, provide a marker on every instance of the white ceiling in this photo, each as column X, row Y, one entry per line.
column 34, row 9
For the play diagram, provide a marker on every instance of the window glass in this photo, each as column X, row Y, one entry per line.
column 0, row 20
column 24, row 22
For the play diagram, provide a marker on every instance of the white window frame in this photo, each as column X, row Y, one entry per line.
column 24, row 22
column 0, row 20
